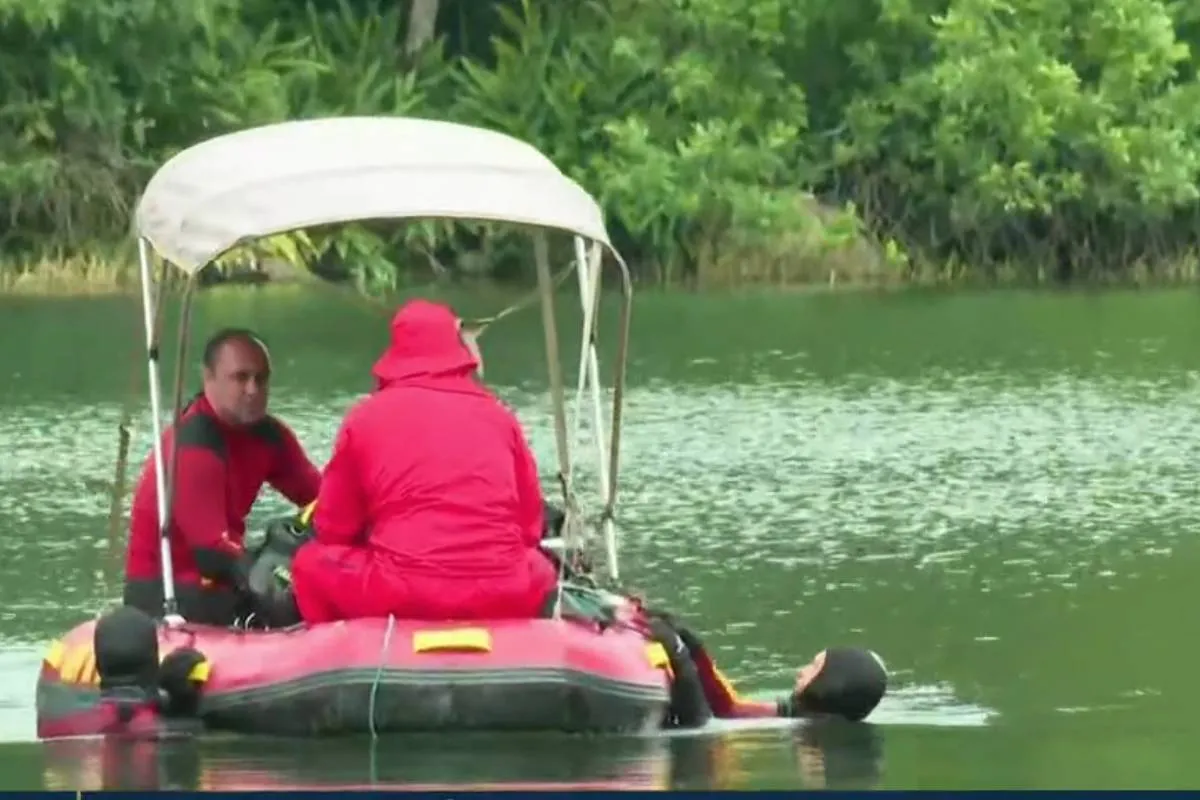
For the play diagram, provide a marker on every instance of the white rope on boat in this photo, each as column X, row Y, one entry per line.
column 383, row 651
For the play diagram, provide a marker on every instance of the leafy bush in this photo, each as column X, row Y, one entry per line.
column 727, row 139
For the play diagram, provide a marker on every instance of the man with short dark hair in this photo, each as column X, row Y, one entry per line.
column 227, row 447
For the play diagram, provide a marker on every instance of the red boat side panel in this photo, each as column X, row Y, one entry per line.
column 243, row 660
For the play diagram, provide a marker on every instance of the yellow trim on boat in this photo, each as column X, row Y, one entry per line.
column 201, row 672
column 471, row 640
column 54, row 655
column 657, row 655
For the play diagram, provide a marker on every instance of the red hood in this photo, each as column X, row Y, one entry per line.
column 425, row 343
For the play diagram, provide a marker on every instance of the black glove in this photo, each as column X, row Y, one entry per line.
column 689, row 707
column 662, row 632
column 656, row 619
column 690, row 640
column 181, row 681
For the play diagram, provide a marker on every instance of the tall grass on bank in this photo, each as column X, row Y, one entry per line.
column 73, row 276
column 780, row 266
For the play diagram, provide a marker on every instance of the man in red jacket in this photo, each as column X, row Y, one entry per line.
column 228, row 446
column 430, row 506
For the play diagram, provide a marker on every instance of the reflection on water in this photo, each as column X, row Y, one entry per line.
column 817, row 755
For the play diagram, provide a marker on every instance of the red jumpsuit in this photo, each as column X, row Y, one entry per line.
column 219, row 472
column 430, row 506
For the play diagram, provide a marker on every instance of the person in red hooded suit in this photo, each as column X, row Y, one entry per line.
column 430, row 506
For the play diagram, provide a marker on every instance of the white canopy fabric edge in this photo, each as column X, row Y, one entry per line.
column 268, row 180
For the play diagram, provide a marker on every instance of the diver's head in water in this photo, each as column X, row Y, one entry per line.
column 841, row 681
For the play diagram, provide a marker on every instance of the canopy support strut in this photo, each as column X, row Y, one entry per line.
column 620, row 364
column 171, row 613
column 588, row 270
column 553, row 365
column 185, row 320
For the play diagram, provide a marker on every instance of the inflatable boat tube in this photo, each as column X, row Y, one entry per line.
column 381, row 675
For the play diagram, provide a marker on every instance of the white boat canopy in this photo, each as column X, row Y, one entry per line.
column 263, row 181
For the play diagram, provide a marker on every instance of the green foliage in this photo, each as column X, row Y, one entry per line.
column 859, row 138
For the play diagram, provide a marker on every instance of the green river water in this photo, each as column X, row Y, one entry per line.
column 998, row 492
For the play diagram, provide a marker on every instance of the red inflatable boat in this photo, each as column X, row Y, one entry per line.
column 381, row 675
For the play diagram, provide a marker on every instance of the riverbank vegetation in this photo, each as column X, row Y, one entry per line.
column 730, row 141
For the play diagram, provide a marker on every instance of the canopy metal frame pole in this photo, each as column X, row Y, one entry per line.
column 589, row 378
column 170, row 608
column 172, row 462
column 553, row 362
column 618, row 401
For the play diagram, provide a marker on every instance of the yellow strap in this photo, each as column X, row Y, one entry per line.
column 306, row 514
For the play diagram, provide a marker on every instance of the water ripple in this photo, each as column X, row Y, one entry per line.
column 921, row 473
